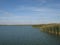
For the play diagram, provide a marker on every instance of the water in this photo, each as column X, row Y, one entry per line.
column 26, row 35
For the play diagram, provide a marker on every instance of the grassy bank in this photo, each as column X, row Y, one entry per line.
column 53, row 28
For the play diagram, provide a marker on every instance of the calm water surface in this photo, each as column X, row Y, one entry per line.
column 26, row 35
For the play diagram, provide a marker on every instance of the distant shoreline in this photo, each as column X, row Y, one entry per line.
column 28, row 24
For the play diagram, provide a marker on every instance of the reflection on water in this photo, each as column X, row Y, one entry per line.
column 26, row 35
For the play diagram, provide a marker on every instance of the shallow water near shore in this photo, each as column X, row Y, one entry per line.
column 26, row 35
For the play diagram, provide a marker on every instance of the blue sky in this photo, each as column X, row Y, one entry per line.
column 29, row 11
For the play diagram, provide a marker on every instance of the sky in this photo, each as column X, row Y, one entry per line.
column 29, row 11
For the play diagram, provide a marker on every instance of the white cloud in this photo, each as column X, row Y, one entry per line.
column 5, row 13
column 41, row 15
column 41, row 2
column 37, row 9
